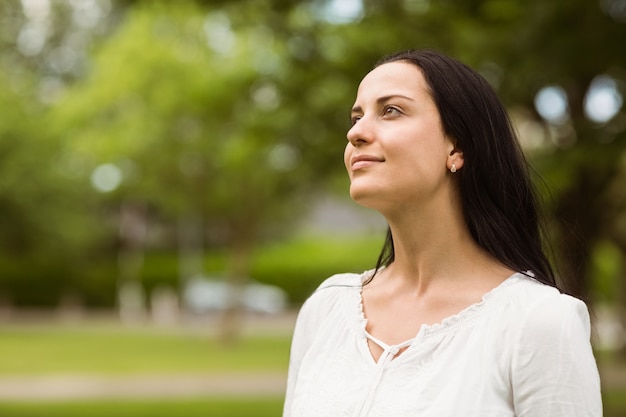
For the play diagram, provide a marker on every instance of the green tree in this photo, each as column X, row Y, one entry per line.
column 39, row 221
column 48, row 231
column 186, row 103
column 217, row 113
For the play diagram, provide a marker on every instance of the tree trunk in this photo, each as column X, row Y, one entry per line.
column 132, row 233
column 620, row 306
column 239, row 270
column 190, row 248
column 578, row 231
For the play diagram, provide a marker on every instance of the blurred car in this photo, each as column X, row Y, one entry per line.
column 211, row 294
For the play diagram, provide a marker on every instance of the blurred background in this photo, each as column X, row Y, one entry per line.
column 172, row 185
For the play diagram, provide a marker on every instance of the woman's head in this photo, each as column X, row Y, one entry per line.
column 398, row 153
column 496, row 193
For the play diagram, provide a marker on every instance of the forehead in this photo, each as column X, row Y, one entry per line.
column 393, row 78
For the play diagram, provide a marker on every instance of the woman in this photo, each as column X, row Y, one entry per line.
column 461, row 316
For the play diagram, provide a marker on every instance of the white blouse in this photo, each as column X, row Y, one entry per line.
column 523, row 351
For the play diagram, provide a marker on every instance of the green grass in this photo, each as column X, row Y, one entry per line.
column 614, row 401
column 29, row 350
column 615, row 405
column 248, row 407
column 26, row 350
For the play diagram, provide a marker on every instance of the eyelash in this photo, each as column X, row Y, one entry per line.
column 386, row 111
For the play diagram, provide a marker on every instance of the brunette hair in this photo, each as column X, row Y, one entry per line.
column 497, row 195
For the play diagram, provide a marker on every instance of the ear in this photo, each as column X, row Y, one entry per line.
column 455, row 157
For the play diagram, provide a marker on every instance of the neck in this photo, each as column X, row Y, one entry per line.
column 436, row 248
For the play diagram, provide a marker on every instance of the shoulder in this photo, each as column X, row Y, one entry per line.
column 552, row 355
column 545, row 315
column 330, row 302
column 341, row 281
column 332, row 292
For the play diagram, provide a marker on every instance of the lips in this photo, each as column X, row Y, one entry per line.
column 363, row 161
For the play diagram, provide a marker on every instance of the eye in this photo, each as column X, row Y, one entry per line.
column 391, row 111
column 354, row 119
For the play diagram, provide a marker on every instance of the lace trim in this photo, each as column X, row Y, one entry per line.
column 448, row 322
column 359, row 302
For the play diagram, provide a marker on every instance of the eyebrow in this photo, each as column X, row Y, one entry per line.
column 381, row 100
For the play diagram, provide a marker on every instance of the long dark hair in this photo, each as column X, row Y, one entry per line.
column 497, row 195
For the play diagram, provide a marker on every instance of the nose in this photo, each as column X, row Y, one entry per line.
column 359, row 133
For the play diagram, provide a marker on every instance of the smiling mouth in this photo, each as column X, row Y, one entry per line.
column 364, row 164
column 364, row 161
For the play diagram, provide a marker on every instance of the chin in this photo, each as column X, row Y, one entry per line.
column 365, row 197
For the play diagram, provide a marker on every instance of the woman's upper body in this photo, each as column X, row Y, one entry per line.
column 523, row 350
column 432, row 149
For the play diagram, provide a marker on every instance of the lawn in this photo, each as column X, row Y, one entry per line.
column 112, row 350
column 248, row 407
column 614, row 405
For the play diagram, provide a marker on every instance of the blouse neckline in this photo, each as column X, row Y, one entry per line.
column 446, row 324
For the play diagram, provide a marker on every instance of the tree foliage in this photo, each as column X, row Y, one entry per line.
column 232, row 112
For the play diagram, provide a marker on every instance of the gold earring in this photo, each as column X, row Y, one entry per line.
column 453, row 169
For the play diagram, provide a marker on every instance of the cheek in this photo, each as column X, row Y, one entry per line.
column 347, row 154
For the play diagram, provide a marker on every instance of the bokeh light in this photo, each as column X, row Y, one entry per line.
column 551, row 104
column 603, row 100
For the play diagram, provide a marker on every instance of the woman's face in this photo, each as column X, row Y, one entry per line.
column 397, row 152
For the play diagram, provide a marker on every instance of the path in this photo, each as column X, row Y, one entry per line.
column 60, row 387
column 72, row 387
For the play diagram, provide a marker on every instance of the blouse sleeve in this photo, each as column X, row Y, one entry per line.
column 554, row 373
column 302, row 336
